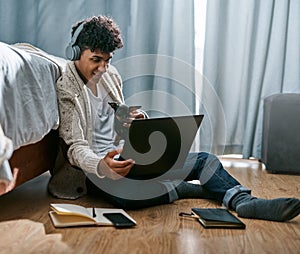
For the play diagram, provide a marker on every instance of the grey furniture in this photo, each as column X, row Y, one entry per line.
column 281, row 133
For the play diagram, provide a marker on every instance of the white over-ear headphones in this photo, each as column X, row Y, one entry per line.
column 72, row 50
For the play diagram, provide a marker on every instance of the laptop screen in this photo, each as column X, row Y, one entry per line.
column 158, row 145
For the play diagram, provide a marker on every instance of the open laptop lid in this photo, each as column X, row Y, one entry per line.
column 159, row 144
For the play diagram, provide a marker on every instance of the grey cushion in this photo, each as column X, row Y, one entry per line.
column 281, row 133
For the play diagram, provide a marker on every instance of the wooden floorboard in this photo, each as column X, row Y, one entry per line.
column 25, row 226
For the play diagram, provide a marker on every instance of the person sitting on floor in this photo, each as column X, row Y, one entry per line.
column 88, row 148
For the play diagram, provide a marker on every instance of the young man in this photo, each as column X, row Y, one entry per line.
column 88, row 148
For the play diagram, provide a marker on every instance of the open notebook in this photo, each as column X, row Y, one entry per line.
column 71, row 215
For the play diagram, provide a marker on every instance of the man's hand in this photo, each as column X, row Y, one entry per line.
column 124, row 115
column 134, row 113
column 116, row 169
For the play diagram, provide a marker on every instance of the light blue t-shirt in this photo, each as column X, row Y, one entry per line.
column 103, row 121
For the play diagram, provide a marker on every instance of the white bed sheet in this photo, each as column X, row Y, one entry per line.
column 28, row 103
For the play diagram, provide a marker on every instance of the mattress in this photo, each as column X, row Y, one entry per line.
column 28, row 103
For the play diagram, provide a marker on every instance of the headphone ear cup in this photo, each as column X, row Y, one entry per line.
column 76, row 52
column 69, row 52
column 73, row 52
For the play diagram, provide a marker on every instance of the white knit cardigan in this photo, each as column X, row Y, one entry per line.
column 76, row 129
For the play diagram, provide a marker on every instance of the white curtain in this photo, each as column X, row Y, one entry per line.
column 158, row 71
column 252, row 50
column 47, row 24
column 157, row 60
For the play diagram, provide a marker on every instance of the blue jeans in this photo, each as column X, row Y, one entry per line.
column 198, row 166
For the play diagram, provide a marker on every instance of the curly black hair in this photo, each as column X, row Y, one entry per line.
column 99, row 32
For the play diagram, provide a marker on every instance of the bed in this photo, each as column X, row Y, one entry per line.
column 28, row 107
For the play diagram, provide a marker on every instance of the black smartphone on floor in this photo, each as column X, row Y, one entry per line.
column 119, row 220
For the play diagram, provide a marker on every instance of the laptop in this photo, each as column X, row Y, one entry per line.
column 158, row 145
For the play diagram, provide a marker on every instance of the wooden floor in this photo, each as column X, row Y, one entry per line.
column 25, row 226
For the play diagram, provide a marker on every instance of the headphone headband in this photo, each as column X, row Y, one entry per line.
column 73, row 50
column 76, row 33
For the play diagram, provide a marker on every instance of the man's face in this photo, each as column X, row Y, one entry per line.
column 92, row 65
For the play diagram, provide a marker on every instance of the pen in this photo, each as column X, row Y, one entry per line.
column 191, row 215
column 94, row 212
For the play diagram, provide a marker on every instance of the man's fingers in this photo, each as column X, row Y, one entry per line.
column 112, row 153
column 126, row 163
